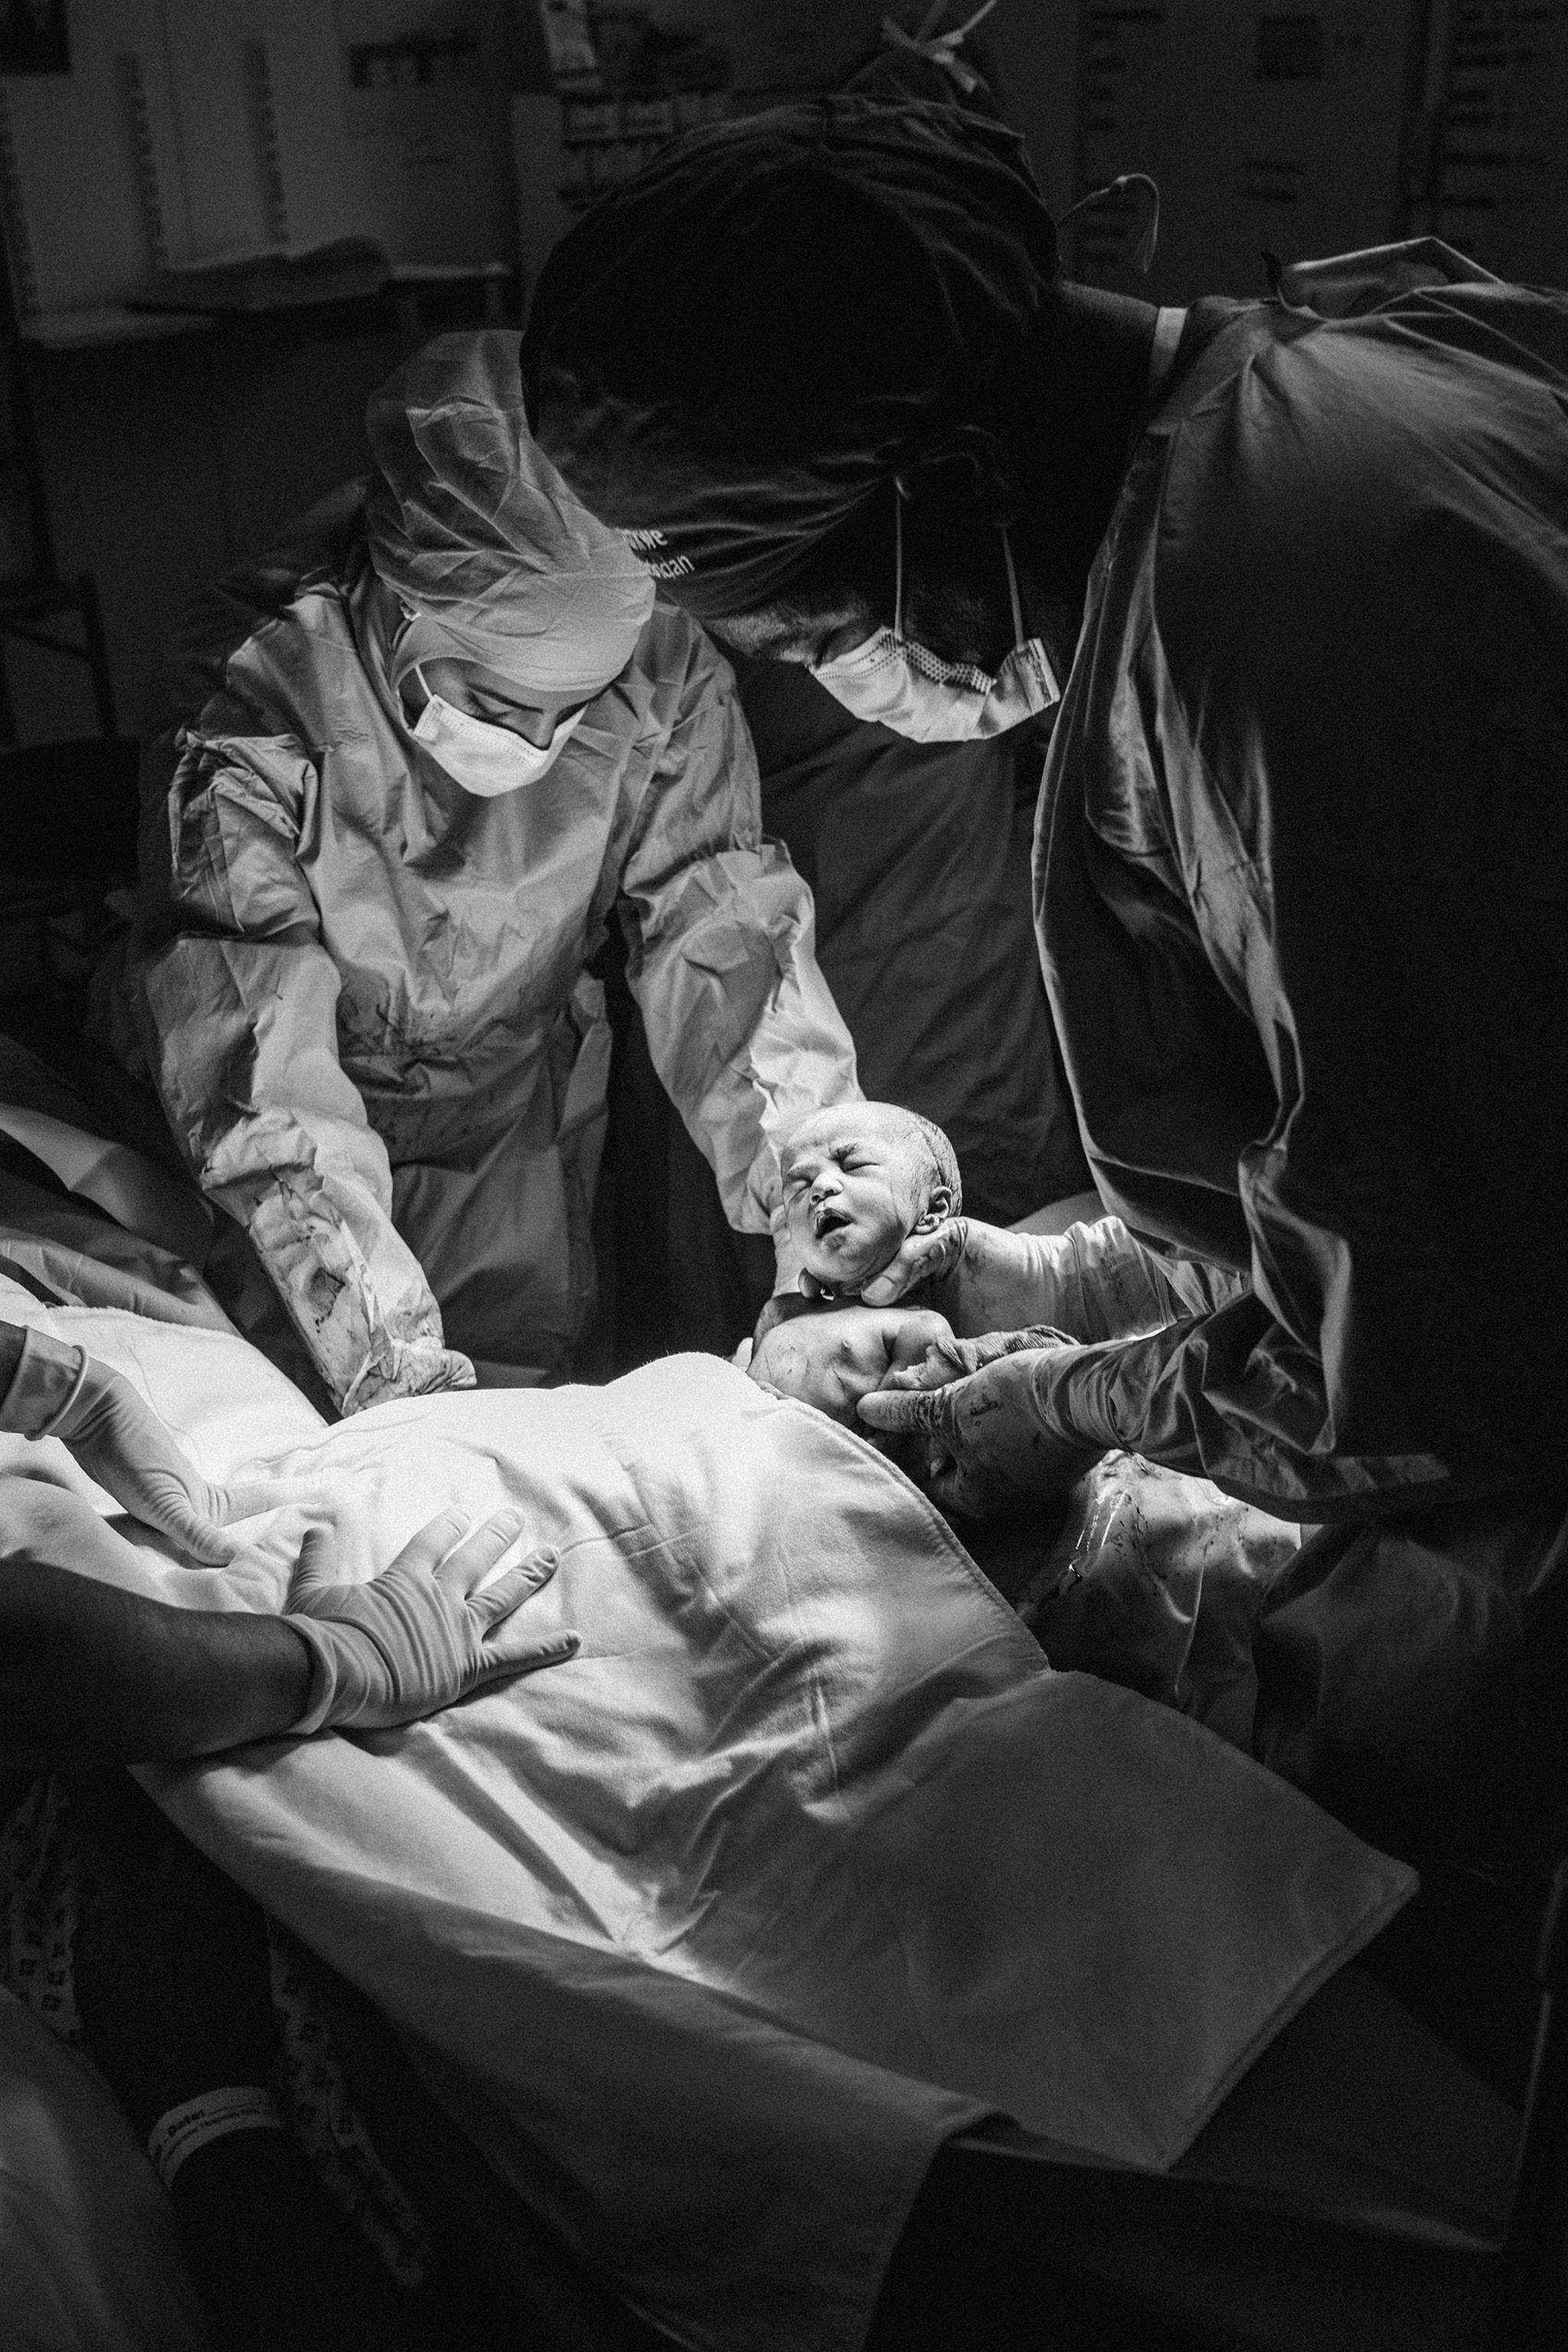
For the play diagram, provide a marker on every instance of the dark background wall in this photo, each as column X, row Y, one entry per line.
column 158, row 451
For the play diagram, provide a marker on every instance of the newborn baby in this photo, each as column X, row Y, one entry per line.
column 858, row 1179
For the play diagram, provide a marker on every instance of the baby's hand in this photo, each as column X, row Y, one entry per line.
column 832, row 1361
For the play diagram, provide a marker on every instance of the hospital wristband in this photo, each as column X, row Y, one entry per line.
column 214, row 2115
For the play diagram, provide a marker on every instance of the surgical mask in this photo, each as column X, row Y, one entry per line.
column 485, row 760
column 896, row 683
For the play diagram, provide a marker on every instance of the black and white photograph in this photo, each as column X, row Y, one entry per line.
column 783, row 1274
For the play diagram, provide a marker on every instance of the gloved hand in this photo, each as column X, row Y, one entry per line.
column 420, row 1634
column 116, row 1438
column 988, row 1448
column 923, row 1258
column 947, row 1359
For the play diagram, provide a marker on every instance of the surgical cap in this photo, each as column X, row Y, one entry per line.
column 475, row 530
column 728, row 355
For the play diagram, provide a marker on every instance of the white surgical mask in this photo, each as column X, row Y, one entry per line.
column 899, row 684
column 485, row 760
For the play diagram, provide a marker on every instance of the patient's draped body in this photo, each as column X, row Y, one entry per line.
column 712, row 1937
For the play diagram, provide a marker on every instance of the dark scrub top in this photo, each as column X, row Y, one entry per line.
column 1302, row 882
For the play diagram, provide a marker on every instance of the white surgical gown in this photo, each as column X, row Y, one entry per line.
column 360, row 990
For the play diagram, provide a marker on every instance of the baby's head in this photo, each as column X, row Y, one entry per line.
column 857, row 1180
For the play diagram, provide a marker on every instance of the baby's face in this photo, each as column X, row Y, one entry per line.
column 855, row 1184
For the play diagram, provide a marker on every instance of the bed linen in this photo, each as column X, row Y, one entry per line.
column 710, row 1937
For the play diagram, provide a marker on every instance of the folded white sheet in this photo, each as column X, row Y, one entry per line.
column 710, row 1936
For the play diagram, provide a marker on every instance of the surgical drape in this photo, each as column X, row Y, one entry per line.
column 1302, row 900
column 360, row 990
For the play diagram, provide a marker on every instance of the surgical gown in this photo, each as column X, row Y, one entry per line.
column 1302, row 882
column 360, row 990
column 1302, row 879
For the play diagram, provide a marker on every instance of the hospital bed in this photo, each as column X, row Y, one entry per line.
column 733, row 2100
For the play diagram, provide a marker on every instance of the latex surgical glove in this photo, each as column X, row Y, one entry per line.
column 832, row 1356
column 114, row 1435
column 421, row 1634
column 981, row 1277
column 946, row 1360
column 923, row 1257
column 988, row 1448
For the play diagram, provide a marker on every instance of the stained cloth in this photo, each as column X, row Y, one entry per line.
column 712, row 1937
column 473, row 528
column 728, row 355
column 359, row 990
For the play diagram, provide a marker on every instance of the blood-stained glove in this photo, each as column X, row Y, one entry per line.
column 421, row 1634
column 989, row 1447
column 947, row 1359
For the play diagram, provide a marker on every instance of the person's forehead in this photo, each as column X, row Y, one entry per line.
column 456, row 668
column 456, row 676
column 849, row 1122
column 789, row 636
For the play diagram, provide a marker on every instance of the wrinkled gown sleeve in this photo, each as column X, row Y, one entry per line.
column 1304, row 898
column 741, row 1027
column 38, row 1377
column 236, row 1014
column 1098, row 1282
column 12, row 1340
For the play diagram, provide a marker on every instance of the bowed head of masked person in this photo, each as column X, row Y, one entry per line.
column 506, row 607
column 812, row 365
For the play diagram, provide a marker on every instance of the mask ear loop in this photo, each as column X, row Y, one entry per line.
column 899, row 494
column 416, row 671
column 1143, row 252
column 1012, row 585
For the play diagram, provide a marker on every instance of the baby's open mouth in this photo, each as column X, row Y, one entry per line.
column 829, row 1220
